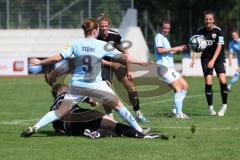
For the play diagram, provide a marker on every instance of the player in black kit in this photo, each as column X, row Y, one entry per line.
column 120, row 70
column 213, row 58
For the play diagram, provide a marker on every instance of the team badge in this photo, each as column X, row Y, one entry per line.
column 214, row 35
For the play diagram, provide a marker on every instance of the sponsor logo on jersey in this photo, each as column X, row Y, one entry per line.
column 214, row 35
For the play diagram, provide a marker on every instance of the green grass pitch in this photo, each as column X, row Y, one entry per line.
column 24, row 100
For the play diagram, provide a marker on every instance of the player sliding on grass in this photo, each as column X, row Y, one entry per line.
column 86, row 81
column 121, row 70
column 164, row 56
column 234, row 48
column 90, row 123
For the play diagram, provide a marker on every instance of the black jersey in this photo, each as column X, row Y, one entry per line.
column 114, row 37
column 90, row 119
column 213, row 38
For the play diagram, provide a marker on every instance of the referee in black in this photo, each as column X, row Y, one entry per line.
column 119, row 69
column 213, row 58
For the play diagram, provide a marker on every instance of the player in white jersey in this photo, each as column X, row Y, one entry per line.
column 164, row 56
column 86, row 80
column 234, row 48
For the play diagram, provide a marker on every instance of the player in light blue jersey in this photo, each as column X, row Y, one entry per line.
column 86, row 78
column 164, row 56
column 234, row 48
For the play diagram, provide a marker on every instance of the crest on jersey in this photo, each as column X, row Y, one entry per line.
column 214, row 35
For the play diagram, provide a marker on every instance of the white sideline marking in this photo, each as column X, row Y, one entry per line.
column 170, row 99
column 226, row 128
column 16, row 122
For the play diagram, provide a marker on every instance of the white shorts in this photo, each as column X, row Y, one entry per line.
column 101, row 92
column 170, row 76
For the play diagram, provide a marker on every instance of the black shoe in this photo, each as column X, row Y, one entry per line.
column 30, row 131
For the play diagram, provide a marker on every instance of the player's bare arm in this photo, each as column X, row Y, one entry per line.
column 215, row 56
column 193, row 59
column 49, row 60
column 172, row 50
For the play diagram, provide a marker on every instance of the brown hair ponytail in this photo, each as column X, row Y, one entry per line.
column 88, row 26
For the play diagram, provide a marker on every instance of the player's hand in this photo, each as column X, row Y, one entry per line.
column 192, row 64
column 179, row 48
column 211, row 63
column 129, row 76
column 34, row 62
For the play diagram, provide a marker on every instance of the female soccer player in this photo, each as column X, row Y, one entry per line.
column 213, row 58
column 234, row 48
column 86, row 80
column 121, row 70
column 164, row 56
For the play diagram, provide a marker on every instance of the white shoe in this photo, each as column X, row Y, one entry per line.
column 222, row 112
column 181, row 116
column 174, row 111
column 229, row 87
column 212, row 112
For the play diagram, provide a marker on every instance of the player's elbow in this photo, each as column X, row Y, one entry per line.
column 160, row 51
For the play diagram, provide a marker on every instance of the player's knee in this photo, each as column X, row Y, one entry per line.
column 64, row 108
column 110, row 100
column 131, row 89
column 185, row 86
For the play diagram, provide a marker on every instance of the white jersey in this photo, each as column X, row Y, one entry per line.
column 165, row 59
column 88, row 53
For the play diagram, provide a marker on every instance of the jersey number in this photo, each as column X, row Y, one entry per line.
column 87, row 61
column 174, row 75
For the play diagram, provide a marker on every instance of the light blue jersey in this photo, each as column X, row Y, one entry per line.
column 234, row 47
column 88, row 53
column 165, row 59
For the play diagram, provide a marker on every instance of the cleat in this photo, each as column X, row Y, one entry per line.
column 181, row 116
column 229, row 87
column 222, row 112
column 153, row 136
column 212, row 112
column 174, row 111
column 146, row 130
column 30, row 131
column 91, row 134
column 141, row 118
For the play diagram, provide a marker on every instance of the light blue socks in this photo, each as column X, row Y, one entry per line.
column 126, row 115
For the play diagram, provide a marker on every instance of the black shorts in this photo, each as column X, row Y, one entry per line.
column 77, row 128
column 86, row 119
column 219, row 67
column 107, row 73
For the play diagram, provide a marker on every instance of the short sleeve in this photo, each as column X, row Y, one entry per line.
column 158, row 42
column 220, row 38
column 115, row 54
column 67, row 52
